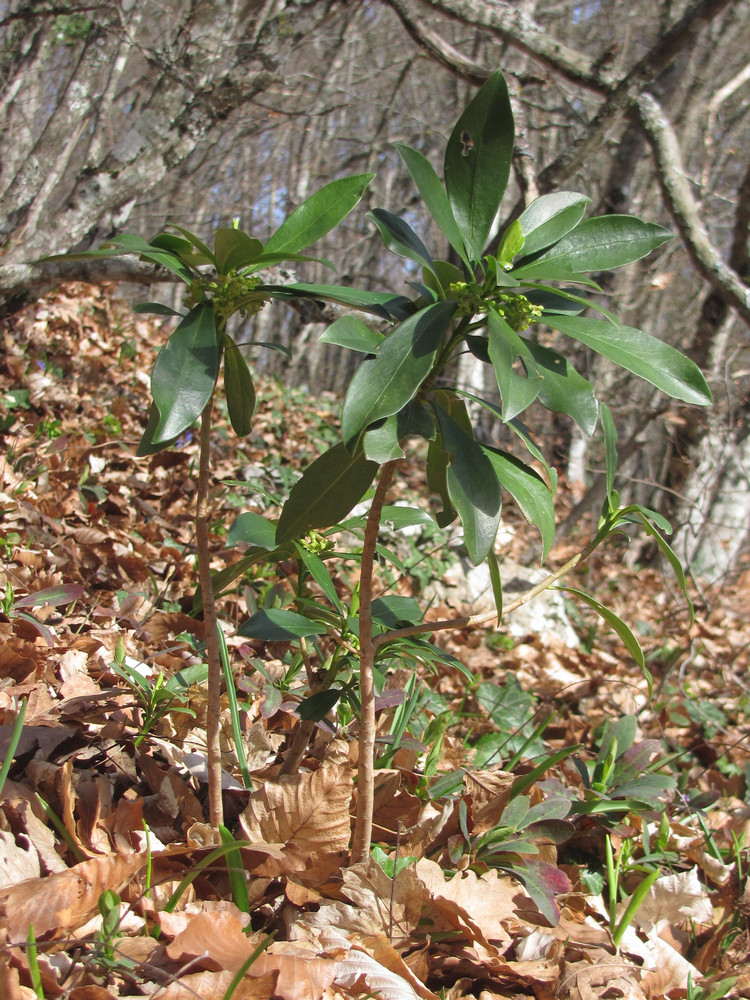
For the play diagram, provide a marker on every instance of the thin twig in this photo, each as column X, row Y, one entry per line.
column 469, row 621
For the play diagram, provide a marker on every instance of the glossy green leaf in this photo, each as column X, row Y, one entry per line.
column 396, row 517
column 239, row 389
column 640, row 353
column 381, row 443
column 147, row 446
column 318, row 705
column 472, row 487
column 325, row 494
column 400, row 238
column 277, row 624
column 392, row 610
column 352, row 333
column 318, row 215
column 477, row 162
column 598, row 244
column 434, row 196
column 234, row 250
column 252, row 529
column 550, row 217
column 384, row 384
column 560, row 388
column 530, row 492
column 511, row 244
column 185, row 373
column 437, row 479
column 516, row 392
column 196, row 242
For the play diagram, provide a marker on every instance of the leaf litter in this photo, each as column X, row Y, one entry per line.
column 112, row 885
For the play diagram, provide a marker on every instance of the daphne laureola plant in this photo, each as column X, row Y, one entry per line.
column 487, row 304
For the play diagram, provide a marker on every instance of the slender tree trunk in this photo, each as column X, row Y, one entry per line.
column 210, row 622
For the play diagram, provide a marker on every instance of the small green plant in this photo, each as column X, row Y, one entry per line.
column 15, row 736
column 713, row 991
column 159, row 697
column 615, row 872
column 488, row 304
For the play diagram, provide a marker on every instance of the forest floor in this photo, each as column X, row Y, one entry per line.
column 526, row 764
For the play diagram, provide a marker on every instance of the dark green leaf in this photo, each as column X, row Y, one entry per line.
column 381, row 442
column 437, row 479
column 389, row 611
column 199, row 245
column 318, row 215
column 239, row 388
column 640, row 353
column 472, row 487
column 234, row 250
column 549, row 217
column 325, row 494
column 400, row 238
column 434, row 197
column 185, row 373
column 383, row 385
column 318, row 705
column 252, row 529
column 598, row 244
column 530, row 492
column 561, row 388
column 147, row 445
column 397, row 517
column 350, row 332
column 477, row 162
column 277, row 624
column 516, row 392
column 383, row 304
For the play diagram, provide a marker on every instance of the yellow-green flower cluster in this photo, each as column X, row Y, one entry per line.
column 517, row 311
column 514, row 307
column 230, row 293
column 316, row 543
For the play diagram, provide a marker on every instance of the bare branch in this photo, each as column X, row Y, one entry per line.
column 684, row 210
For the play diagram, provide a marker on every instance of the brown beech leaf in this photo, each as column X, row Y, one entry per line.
column 217, row 937
column 64, row 901
column 490, row 794
column 215, row 985
column 483, row 907
column 310, row 810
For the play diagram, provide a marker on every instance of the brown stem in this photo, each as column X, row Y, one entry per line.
column 469, row 621
column 367, row 648
column 210, row 623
